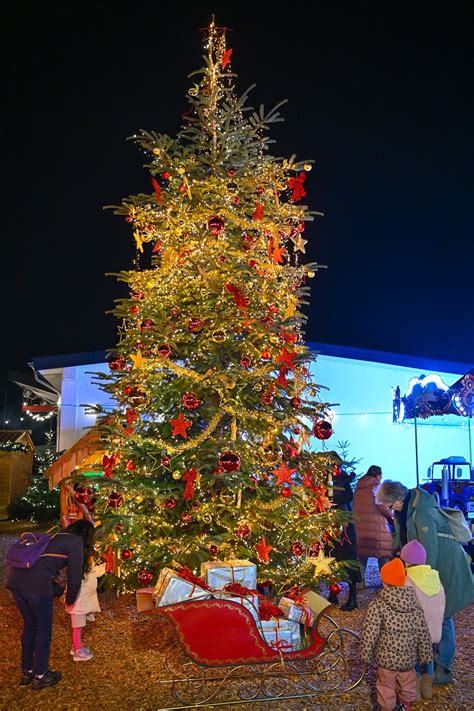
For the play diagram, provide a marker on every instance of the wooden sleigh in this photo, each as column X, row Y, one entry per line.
column 220, row 658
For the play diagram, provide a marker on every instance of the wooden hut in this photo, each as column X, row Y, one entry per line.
column 16, row 464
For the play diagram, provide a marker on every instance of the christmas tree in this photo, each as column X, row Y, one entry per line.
column 208, row 447
column 38, row 503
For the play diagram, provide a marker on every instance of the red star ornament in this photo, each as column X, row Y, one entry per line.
column 287, row 359
column 226, row 58
column 180, row 426
column 283, row 474
column 263, row 550
column 277, row 255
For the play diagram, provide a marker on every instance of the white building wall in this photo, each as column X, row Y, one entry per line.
column 363, row 417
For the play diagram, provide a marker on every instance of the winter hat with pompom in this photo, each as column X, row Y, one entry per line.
column 413, row 553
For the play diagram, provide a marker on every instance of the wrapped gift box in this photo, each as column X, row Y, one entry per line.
column 274, row 628
column 170, row 588
column 219, row 573
column 296, row 612
column 250, row 602
column 144, row 598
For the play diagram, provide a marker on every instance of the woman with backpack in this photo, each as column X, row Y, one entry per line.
column 419, row 517
column 32, row 583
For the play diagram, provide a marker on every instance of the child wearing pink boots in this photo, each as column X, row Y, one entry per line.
column 396, row 637
column 82, row 611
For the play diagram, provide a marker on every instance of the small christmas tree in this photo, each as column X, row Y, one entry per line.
column 38, row 503
column 208, row 446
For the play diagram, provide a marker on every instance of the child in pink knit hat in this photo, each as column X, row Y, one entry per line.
column 430, row 595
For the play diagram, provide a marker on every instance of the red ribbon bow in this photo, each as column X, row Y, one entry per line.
column 109, row 463
column 280, row 644
column 296, row 185
column 189, row 476
column 157, row 190
column 188, row 575
column 267, row 610
column 306, row 616
column 238, row 589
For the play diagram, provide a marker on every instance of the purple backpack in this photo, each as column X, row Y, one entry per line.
column 28, row 549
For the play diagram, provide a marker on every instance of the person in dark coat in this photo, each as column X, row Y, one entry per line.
column 32, row 590
column 345, row 549
column 373, row 521
column 418, row 517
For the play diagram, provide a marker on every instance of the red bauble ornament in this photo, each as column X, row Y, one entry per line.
column 164, row 350
column 134, row 309
column 296, row 431
column 266, row 398
column 326, row 537
column 322, row 429
column 296, row 402
column 229, row 462
column 128, row 389
column 265, row 355
column 115, row 500
column 195, row 325
column 245, row 362
column 235, row 200
column 130, row 465
column 231, row 172
column 182, row 187
column 252, row 263
column 335, row 588
column 300, row 227
column 146, row 324
column 118, row 363
column 126, row 554
column 286, row 492
column 190, row 401
column 145, row 578
column 213, row 550
column 222, row 258
column 170, row 503
column 243, row 530
column 165, row 461
column 120, row 527
column 138, row 294
column 260, row 190
column 215, row 225
column 297, row 548
column 290, row 337
column 336, row 470
column 166, row 175
column 186, row 517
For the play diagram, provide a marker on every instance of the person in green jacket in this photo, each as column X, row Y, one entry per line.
column 418, row 517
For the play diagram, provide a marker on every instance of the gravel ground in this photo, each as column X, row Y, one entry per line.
column 129, row 656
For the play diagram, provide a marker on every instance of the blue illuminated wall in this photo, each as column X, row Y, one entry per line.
column 360, row 380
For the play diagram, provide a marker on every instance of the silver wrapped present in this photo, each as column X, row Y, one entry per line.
column 250, row 602
column 218, row 573
column 170, row 588
column 273, row 630
column 296, row 612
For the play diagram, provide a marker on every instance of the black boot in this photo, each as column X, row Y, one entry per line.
column 332, row 598
column 351, row 603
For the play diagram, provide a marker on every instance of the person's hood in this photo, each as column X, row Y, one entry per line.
column 425, row 578
column 367, row 482
column 398, row 599
column 423, row 499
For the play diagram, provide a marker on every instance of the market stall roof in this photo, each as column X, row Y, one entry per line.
column 18, row 437
column 83, row 449
column 428, row 395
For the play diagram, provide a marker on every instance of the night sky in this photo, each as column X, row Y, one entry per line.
column 379, row 95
